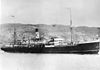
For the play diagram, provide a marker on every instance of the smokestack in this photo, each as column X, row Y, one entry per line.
column 37, row 33
column 36, row 30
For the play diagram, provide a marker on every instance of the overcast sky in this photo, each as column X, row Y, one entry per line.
column 84, row 12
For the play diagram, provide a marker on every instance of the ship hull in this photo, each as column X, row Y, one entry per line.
column 85, row 48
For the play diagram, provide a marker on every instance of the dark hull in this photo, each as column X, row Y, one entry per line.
column 86, row 48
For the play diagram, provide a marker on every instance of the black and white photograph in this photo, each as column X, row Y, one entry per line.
column 49, row 34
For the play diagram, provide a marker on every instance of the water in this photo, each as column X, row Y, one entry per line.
column 17, row 61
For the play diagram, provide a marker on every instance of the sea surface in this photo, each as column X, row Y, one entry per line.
column 21, row 61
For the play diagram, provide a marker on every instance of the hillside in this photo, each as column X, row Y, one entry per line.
column 28, row 30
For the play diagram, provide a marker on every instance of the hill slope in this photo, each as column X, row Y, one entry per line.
column 28, row 30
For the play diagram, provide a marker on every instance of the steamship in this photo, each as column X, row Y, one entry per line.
column 39, row 45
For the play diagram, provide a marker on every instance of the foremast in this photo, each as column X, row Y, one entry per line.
column 14, row 36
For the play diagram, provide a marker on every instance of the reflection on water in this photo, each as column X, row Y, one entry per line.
column 13, row 61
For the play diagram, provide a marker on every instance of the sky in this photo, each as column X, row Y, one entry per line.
column 84, row 12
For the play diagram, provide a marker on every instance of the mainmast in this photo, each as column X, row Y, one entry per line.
column 71, row 37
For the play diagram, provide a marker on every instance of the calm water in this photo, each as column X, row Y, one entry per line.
column 12, row 61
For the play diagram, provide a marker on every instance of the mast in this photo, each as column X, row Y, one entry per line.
column 71, row 37
column 71, row 26
column 14, row 34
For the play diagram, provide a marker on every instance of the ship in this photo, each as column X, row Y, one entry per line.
column 38, row 45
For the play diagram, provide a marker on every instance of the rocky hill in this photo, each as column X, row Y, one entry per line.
column 28, row 30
